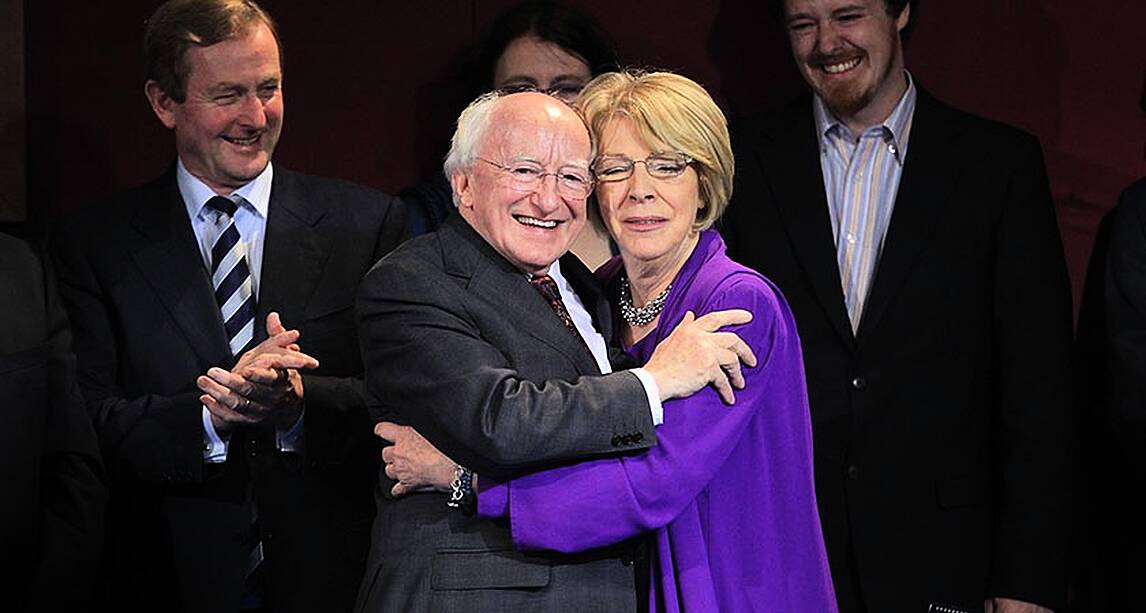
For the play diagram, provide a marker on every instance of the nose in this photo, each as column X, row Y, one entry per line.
column 253, row 112
column 548, row 199
column 641, row 188
column 827, row 38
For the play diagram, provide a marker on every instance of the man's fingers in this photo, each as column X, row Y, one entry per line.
column 735, row 344
column 724, row 389
column 711, row 322
column 224, row 412
column 274, row 324
column 280, row 357
column 233, row 382
column 391, row 472
column 221, row 393
column 389, row 431
column 732, row 371
column 387, row 455
column 399, row 489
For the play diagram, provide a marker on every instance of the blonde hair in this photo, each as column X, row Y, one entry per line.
column 677, row 111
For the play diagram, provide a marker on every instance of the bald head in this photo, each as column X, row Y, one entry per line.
column 510, row 165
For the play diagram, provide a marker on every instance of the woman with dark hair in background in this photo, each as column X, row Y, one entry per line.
column 538, row 45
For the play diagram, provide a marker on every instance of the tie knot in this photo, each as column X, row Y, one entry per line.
column 546, row 286
column 223, row 205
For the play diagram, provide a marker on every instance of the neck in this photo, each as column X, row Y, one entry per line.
column 880, row 108
column 648, row 278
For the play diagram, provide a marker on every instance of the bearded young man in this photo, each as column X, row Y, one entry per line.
column 918, row 248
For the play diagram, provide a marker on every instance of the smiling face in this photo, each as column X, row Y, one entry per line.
column 530, row 228
column 529, row 62
column 849, row 52
column 227, row 127
column 651, row 219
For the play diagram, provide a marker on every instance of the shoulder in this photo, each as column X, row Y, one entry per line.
column 16, row 253
column 1133, row 199
column 416, row 262
column 722, row 284
column 106, row 221
column 775, row 124
column 983, row 132
column 346, row 197
column 1128, row 219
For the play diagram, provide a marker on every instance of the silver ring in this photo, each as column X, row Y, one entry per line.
column 246, row 403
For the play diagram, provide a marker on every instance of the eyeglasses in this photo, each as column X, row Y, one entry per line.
column 565, row 92
column 609, row 168
column 572, row 182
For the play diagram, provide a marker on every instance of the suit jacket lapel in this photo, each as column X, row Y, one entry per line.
column 294, row 254
column 790, row 157
column 496, row 281
column 931, row 166
column 168, row 257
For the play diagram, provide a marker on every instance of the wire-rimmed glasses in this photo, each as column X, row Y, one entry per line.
column 572, row 182
column 609, row 168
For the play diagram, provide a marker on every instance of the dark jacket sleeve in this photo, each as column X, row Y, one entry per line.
column 429, row 361
column 156, row 436
column 1032, row 312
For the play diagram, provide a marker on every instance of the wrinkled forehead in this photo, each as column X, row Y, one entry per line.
column 536, row 126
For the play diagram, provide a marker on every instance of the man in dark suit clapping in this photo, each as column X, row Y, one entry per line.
column 239, row 452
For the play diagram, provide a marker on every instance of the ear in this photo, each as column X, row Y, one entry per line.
column 463, row 189
column 161, row 103
column 904, row 17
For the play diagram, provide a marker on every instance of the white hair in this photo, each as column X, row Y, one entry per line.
column 471, row 128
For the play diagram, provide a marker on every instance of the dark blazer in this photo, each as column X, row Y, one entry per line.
column 146, row 325
column 460, row 346
column 51, row 521
column 1111, row 414
column 940, row 428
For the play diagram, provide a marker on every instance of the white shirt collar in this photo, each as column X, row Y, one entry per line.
column 256, row 193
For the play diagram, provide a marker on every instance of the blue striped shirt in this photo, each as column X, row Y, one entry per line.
column 861, row 178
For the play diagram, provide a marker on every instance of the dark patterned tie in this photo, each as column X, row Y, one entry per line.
column 234, row 289
column 547, row 287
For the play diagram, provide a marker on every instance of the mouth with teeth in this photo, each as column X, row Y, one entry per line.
column 533, row 222
column 840, row 67
column 243, row 142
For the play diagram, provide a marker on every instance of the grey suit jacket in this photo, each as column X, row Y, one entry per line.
column 459, row 345
column 146, row 325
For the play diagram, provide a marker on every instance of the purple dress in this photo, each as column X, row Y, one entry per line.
column 727, row 491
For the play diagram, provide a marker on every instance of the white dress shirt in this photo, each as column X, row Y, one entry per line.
column 252, row 202
column 584, row 323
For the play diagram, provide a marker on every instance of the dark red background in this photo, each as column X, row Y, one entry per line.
column 371, row 87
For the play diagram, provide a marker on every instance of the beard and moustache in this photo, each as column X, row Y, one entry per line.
column 846, row 97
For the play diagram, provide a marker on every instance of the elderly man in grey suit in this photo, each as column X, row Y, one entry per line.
column 493, row 343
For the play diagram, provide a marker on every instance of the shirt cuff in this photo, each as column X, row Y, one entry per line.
column 288, row 440
column 493, row 498
column 214, row 448
column 653, row 393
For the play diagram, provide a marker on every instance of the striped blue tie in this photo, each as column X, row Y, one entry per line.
column 234, row 289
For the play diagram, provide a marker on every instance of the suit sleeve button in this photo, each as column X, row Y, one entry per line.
column 617, row 441
column 859, row 383
column 853, row 472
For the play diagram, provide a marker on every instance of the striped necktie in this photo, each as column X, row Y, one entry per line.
column 234, row 287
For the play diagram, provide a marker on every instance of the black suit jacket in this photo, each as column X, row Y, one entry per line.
column 51, row 522
column 941, row 425
column 460, row 346
column 146, row 325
